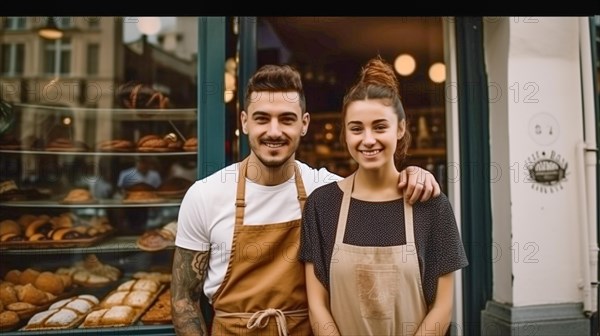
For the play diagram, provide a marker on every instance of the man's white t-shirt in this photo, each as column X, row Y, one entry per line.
column 207, row 212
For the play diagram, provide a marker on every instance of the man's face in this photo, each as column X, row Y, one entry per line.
column 274, row 123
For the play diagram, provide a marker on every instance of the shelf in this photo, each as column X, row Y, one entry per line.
column 128, row 154
column 117, row 114
column 101, row 204
column 114, row 244
column 137, row 329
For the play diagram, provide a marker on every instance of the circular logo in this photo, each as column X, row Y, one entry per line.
column 543, row 129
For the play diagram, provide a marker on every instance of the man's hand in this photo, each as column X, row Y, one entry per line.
column 418, row 184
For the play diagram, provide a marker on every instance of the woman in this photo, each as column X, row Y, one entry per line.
column 375, row 265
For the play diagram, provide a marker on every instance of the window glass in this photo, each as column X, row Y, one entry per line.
column 93, row 50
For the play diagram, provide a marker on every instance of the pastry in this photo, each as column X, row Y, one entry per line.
column 66, row 145
column 8, row 237
column 158, row 239
column 148, row 285
column 191, row 144
column 81, row 304
column 116, row 146
column 40, row 225
column 38, row 319
column 160, row 311
column 174, row 187
column 110, row 317
column 8, row 294
column 153, row 143
column 157, row 276
column 26, row 219
column 6, row 186
column 92, row 272
column 61, row 318
column 141, row 193
column 12, row 276
column 65, row 234
column 64, row 220
column 63, row 314
column 8, row 318
column 137, row 299
column 78, row 195
column 114, row 299
column 50, row 282
column 118, row 315
column 30, row 294
column 21, row 308
column 10, row 226
column 126, row 286
column 38, row 237
column 28, row 276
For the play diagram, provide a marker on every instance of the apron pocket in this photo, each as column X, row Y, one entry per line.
column 378, row 288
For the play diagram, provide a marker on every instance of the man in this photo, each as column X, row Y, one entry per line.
column 141, row 173
column 239, row 229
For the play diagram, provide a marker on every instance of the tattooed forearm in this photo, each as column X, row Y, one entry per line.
column 189, row 272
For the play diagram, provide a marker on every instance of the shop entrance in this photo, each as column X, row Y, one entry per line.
column 329, row 51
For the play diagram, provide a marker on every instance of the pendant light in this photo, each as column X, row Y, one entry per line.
column 50, row 31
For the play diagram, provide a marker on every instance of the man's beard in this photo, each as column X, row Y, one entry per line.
column 275, row 163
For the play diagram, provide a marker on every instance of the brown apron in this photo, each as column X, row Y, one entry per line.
column 263, row 292
column 375, row 290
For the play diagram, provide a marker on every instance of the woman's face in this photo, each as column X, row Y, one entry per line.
column 372, row 131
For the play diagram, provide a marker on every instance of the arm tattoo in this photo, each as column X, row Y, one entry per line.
column 189, row 273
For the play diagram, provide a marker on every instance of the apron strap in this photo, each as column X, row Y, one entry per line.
column 300, row 187
column 346, row 185
column 240, row 201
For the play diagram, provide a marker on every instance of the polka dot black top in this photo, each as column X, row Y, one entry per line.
column 439, row 247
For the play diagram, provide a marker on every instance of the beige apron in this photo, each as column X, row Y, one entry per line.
column 263, row 292
column 375, row 290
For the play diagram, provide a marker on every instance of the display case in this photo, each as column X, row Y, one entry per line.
column 89, row 199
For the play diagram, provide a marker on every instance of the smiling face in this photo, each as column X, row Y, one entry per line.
column 372, row 131
column 274, row 124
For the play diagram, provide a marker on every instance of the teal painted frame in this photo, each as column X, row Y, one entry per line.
column 211, row 107
column 476, row 215
column 248, row 60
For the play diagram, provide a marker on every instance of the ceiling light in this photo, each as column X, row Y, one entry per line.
column 50, row 31
column 437, row 72
column 405, row 64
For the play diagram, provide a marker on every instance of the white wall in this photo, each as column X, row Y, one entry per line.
column 536, row 227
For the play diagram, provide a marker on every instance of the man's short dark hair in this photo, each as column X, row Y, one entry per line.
column 275, row 78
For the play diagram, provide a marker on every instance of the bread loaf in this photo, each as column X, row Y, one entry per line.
column 116, row 146
column 63, row 314
column 160, row 312
column 191, row 145
column 78, row 195
column 115, row 316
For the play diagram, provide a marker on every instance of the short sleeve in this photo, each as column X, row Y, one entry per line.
column 449, row 249
column 192, row 231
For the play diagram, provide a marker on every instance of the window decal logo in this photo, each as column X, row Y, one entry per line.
column 547, row 172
